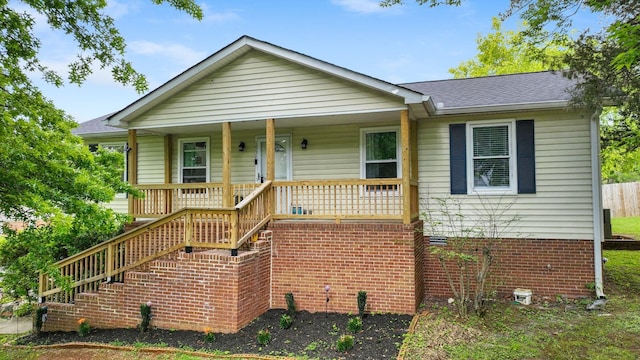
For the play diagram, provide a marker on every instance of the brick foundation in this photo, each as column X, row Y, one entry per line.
column 390, row 261
column 547, row 267
column 194, row 291
column 383, row 259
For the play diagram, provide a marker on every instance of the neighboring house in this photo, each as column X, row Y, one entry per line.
column 269, row 172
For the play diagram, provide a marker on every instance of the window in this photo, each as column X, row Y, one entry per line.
column 194, row 160
column 492, row 157
column 120, row 148
column 380, row 156
column 380, row 153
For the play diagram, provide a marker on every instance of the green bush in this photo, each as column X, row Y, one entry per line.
column 285, row 321
column 24, row 309
column 362, row 302
column 344, row 343
column 291, row 304
column 264, row 337
column 355, row 324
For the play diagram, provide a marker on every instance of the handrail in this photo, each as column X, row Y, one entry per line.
column 254, row 212
column 221, row 228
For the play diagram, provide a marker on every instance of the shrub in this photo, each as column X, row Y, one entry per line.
column 41, row 315
column 209, row 336
column 24, row 309
column 344, row 343
column 83, row 327
column 355, row 324
column 264, row 337
column 291, row 304
column 145, row 313
column 362, row 302
column 285, row 321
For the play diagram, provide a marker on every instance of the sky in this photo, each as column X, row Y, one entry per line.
column 405, row 43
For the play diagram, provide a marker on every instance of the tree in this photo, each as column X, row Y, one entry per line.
column 606, row 63
column 506, row 52
column 48, row 173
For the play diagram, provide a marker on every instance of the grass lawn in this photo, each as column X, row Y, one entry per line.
column 629, row 226
column 555, row 329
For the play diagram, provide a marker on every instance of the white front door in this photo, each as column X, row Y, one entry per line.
column 282, row 158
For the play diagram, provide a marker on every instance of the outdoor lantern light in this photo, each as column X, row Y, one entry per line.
column 304, row 143
column 241, row 146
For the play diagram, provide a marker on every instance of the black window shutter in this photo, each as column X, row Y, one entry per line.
column 526, row 153
column 458, row 158
column 93, row 147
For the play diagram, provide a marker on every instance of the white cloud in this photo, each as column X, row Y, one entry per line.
column 178, row 53
column 360, row 6
column 210, row 16
column 118, row 9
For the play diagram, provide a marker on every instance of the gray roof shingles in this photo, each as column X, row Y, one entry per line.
column 496, row 90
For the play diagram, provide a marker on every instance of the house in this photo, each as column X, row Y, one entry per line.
column 266, row 171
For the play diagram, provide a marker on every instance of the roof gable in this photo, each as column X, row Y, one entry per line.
column 237, row 50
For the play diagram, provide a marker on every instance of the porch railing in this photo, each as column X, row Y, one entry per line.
column 318, row 199
column 335, row 199
column 224, row 228
column 164, row 199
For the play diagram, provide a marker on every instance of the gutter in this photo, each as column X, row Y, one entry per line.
column 440, row 109
column 596, row 190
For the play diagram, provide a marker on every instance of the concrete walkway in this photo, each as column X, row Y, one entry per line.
column 16, row 325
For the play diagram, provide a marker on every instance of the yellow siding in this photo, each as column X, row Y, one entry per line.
column 333, row 152
column 562, row 205
column 260, row 86
column 150, row 164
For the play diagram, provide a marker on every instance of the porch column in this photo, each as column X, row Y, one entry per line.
column 168, row 194
column 132, row 164
column 271, row 149
column 227, row 196
column 415, row 196
column 405, row 130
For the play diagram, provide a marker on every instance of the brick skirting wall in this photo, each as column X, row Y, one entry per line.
column 383, row 259
column 547, row 267
column 194, row 291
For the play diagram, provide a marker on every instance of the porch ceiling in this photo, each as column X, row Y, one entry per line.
column 293, row 122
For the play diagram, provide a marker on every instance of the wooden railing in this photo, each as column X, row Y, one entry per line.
column 163, row 199
column 187, row 228
column 336, row 199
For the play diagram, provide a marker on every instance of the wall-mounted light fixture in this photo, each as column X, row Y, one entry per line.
column 241, row 146
column 304, row 143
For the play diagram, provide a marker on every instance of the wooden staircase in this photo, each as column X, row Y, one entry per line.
column 187, row 228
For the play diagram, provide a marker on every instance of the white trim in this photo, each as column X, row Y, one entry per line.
column 181, row 154
column 596, row 189
column 363, row 148
column 542, row 105
column 513, row 176
column 259, row 154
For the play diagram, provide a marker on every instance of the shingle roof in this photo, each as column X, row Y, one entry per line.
column 96, row 126
column 511, row 89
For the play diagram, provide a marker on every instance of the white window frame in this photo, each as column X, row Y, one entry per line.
column 181, row 167
column 363, row 151
column 512, row 189
column 126, row 161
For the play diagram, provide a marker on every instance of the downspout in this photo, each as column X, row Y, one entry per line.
column 596, row 190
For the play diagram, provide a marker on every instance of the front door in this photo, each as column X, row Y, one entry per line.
column 282, row 158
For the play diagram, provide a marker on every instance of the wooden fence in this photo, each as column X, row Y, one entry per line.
column 623, row 199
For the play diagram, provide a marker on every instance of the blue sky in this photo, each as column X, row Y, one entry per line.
column 400, row 44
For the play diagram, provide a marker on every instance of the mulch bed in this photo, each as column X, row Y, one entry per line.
column 313, row 335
